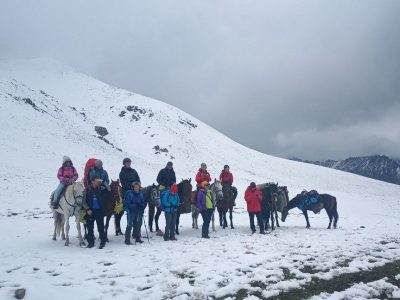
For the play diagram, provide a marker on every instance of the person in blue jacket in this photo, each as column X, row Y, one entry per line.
column 134, row 206
column 169, row 204
column 99, row 172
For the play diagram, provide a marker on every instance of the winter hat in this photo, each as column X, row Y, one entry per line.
column 253, row 185
column 66, row 158
column 204, row 184
column 170, row 164
column 203, row 165
column 226, row 166
column 98, row 163
column 174, row 189
column 126, row 160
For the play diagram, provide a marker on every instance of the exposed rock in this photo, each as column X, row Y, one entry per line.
column 101, row 130
column 20, row 293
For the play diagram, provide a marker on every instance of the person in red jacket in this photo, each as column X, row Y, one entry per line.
column 226, row 176
column 253, row 197
column 202, row 175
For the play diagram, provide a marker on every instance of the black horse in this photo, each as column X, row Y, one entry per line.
column 226, row 204
column 185, row 197
column 324, row 201
column 268, row 204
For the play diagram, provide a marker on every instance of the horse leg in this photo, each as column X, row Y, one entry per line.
column 220, row 217
column 56, row 222
column 213, row 221
column 225, row 221
column 272, row 219
column 117, row 220
column 231, row 217
column 151, row 216
column 178, row 215
column 78, row 227
column 330, row 216
column 277, row 218
column 197, row 218
column 335, row 215
column 157, row 217
column 106, row 227
column 305, row 213
column 67, row 230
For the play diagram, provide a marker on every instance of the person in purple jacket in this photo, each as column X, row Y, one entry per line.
column 205, row 206
column 67, row 175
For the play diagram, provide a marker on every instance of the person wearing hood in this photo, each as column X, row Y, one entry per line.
column 253, row 197
column 202, row 175
column 67, row 175
column 99, row 172
column 166, row 177
column 128, row 175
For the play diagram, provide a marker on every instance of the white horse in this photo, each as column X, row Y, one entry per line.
column 216, row 195
column 70, row 205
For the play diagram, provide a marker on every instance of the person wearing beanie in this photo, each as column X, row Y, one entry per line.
column 134, row 206
column 128, row 175
column 202, row 175
column 66, row 175
column 253, row 197
column 166, row 177
column 169, row 204
column 99, row 172
column 205, row 207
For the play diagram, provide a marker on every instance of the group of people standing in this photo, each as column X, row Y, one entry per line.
column 134, row 203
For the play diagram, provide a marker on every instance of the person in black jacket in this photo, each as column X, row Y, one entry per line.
column 93, row 204
column 166, row 177
column 127, row 176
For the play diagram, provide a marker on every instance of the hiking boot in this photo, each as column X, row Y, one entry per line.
column 166, row 239
column 90, row 246
column 263, row 232
column 102, row 245
column 139, row 241
column 173, row 239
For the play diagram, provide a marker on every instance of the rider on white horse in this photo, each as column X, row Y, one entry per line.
column 67, row 175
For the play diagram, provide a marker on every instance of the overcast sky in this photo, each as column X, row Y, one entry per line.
column 311, row 79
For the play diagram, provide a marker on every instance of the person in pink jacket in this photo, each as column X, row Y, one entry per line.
column 67, row 175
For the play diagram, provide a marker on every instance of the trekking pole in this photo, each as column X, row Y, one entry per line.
column 145, row 227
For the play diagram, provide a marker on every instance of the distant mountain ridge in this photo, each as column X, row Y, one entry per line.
column 380, row 167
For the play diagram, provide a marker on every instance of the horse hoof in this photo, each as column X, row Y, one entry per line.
column 232, row 227
column 54, row 239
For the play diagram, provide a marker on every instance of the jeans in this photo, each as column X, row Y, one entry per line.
column 259, row 220
column 170, row 221
column 98, row 216
column 133, row 221
column 58, row 191
column 206, row 215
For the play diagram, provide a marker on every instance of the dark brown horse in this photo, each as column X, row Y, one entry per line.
column 229, row 194
column 268, row 204
column 325, row 201
column 109, row 202
column 185, row 197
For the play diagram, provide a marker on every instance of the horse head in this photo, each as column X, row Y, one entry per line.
column 185, row 190
column 78, row 191
column 216, row 190
column 285, row 213
column 154, row 194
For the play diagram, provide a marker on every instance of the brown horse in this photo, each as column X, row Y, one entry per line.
column 185, row 197
column 324, row 201
column 110, row 200
column 151, row 195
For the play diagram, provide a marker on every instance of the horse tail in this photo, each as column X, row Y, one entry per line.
column 335, row 212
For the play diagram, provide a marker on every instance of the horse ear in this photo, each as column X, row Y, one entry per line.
column 190, row 180
column 215, row 179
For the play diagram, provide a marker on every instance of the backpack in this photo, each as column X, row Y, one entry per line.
column 88, row 166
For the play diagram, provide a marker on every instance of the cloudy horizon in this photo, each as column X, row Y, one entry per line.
column 314, row 80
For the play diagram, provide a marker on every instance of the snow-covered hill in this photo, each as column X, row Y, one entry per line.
column 48, row 110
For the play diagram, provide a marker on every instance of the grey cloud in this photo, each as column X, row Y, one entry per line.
column 268, row 74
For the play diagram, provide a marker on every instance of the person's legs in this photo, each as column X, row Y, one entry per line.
column 173, row 221
column 252, row 226
column 203, row 228
column 260, row 222
column 99, row 217
column 168, row 221
column 90, row 227
column 137, row 221
column 208, row 220
column 128, row 229
column 57, row 193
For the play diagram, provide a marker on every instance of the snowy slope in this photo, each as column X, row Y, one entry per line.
column 48, row 110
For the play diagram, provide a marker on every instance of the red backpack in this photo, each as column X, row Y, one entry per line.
column 89, row 165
